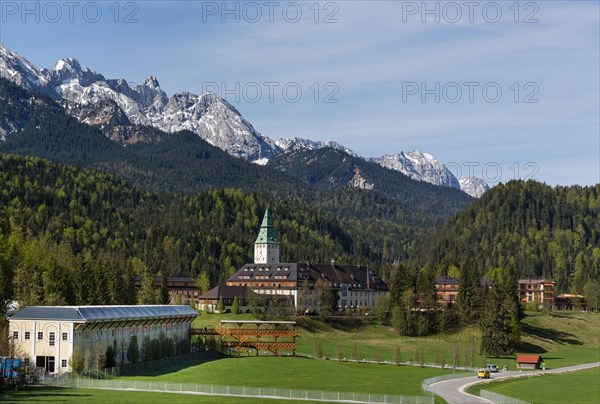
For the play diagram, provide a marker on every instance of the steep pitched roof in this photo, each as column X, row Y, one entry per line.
column 267, row 234
column 226, row 292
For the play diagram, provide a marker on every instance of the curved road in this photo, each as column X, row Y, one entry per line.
column 453, row 390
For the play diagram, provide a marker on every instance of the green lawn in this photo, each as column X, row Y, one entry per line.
column 578, row 387
column 563, row 339
column 342, row 335
column 301, row 373
column 57, row 395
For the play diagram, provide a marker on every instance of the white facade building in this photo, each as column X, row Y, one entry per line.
column 48, row 335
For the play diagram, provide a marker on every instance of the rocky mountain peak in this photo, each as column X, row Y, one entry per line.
column 18, row 70
column 473, row 186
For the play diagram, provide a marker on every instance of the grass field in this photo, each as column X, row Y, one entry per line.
column 342, row 335
column 578, row 387
column 58, row 395
column 562, row 339
column 301, row 373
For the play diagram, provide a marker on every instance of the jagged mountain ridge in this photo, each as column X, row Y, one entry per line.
column 415, row 164
column 474, row 186
column 296, row 143
column 207, row 115
column 329, row 168
column 419, row 166
column 116, row 107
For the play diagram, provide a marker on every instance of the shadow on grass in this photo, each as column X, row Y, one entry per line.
column 570, row 316
column 315, row 324
column 311, row 325
column 351, row 325
column 530, row 348
column 170, row 369
column 560, row 337
column 40, row 394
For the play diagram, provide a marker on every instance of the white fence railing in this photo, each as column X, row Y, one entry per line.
column 499, row 398
column 244, row 391
column 425, row 383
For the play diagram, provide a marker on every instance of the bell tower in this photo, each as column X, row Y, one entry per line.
column 266, row 246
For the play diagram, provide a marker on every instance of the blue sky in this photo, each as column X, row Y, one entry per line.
column 383, row 63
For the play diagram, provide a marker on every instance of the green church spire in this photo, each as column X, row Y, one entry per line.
column 267, row 234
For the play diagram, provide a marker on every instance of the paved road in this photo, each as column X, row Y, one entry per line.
column 453, row 390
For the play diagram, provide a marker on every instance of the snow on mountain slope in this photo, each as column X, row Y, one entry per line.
column 307, row 144
column 424, row 167
column 18, row 70
column 473, row 186
column 419, row 166
column 209, row 116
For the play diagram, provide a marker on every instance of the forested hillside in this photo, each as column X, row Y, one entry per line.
column 82, row 235
column 535, row 229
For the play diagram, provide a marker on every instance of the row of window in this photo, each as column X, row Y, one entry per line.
column 266, row 269
column 63, row 363
column 40, row 336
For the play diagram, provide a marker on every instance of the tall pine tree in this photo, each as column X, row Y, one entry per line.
column 468, row 291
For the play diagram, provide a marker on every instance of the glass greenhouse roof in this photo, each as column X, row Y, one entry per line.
column 104, row 313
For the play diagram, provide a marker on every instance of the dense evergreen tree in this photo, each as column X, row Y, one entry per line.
column 235, row 306
column 164, row 291
column 469, row 293
column 220, row 305
column 497, row 327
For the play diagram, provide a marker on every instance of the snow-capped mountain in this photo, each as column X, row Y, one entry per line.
column 116, row 107
column 20, row 71
column 424, row 167
column 419, row 166
column 473, row 186
column 297, row 143
column 208, row 115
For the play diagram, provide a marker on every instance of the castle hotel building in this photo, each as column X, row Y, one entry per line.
column 356, row 286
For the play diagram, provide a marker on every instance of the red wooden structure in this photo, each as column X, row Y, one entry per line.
column 268, row 336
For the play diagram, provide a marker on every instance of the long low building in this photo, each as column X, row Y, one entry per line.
column 48, row 335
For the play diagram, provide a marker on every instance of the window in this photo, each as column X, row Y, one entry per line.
column 15, row 335
column 51, row 337
column 63, row 363
column 40, row 335
column 65, row 336
column 27, row 335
